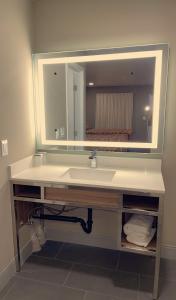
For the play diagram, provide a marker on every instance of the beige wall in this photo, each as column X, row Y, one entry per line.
column 16, row 117
column 69, row 25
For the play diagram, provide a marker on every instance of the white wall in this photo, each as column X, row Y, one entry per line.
column 71, row 25
column 16, row 116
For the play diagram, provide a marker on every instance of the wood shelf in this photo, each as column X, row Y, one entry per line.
column 140, row 211
column 141, row 204
column 149, row 250
column 84, row 197
column 27, row 191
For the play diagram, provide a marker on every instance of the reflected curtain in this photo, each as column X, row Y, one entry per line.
column 114, row 110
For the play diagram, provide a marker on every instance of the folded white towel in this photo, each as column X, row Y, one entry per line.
column 144, row 242
column 139, row 224
column 140, row 236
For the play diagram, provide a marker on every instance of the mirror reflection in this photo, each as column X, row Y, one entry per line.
column 100, row 100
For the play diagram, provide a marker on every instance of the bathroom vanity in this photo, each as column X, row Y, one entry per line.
column 109, row 100
column 122, row 185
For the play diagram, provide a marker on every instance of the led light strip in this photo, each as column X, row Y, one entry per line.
column 157, row 54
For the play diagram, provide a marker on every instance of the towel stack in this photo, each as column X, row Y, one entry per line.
column 139, row 230
column 37, row 236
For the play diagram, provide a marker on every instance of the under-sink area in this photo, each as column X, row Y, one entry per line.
column 89, row 174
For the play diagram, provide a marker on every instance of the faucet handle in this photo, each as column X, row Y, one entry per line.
column 93, row 160
column 92, row 154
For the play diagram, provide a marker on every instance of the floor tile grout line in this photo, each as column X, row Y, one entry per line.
column 94, row 266
column 74, row 263
column 68, row 275
column 38, row 281
column 85, row 295
column 44, row 282
column 98, row 266
column 80, row 263
column 8, row 291
column 59, row 250
column 54, row 259
column 65, row 285
column 57, row 285
column 92, row 291
column 112, row 270
column 74, row 288
column 139, row 286
column 118, row 263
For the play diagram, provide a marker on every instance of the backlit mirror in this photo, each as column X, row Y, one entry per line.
column 106, row 99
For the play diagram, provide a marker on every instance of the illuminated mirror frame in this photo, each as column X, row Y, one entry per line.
column 159, row 52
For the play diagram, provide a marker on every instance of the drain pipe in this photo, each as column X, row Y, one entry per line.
column 86, row 225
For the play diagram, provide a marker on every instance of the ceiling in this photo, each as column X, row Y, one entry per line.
column 121, row 72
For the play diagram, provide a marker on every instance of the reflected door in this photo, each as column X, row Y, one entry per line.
column 75, row 98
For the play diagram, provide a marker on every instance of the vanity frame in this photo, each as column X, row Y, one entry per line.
column 25, row 195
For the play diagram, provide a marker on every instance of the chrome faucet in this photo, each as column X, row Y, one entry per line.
column 93, row 159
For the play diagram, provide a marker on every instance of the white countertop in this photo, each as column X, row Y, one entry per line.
column 137, row 180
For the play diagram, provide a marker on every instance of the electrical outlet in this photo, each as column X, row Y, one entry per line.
column 4, row 147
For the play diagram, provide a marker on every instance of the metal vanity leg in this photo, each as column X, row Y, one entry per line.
column 42, row 222
column 16, row 240
column 158, row 252
column 156, row 277
column 17, row 245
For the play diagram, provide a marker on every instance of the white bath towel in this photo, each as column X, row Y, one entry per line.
column 139, row 224
column 140, row 236
column 144, row 242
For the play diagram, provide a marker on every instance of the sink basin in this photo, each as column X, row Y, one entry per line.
column 89, row 174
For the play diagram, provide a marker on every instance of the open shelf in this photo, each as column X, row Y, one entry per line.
column 149, row 250
column 26, row 191
column 130, row 247
column 141, row 204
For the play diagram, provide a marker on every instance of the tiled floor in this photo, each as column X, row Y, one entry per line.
column 74, row 272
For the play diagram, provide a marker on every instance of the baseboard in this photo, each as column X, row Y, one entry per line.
column 7, row 274
column 9, row 271
column 168, row 252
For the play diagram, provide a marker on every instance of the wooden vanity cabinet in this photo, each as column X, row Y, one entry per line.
column 85, row 197
column 28, row 197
